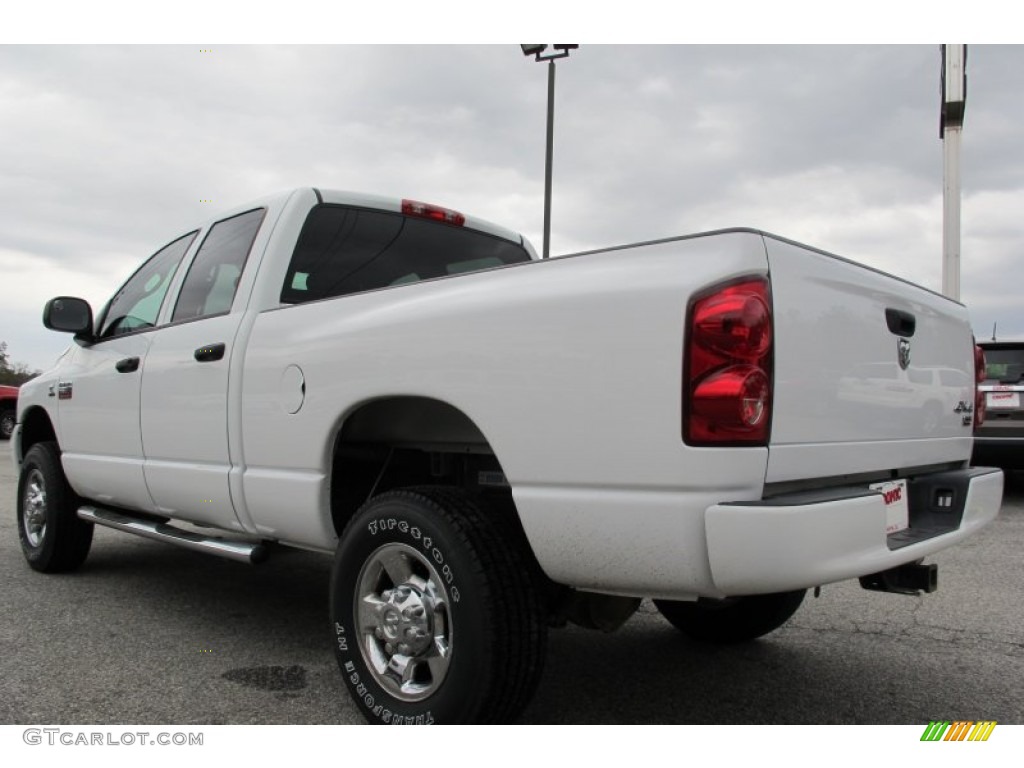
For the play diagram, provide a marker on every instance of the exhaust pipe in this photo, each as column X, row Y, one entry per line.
column 909, row 579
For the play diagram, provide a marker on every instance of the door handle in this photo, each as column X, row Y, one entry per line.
column 210, row 352
column 128, row 365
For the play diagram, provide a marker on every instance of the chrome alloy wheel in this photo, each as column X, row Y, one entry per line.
column 34, row 517
column 403, row 621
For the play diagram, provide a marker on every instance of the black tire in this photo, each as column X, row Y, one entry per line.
column 451, row 628
column 734, row 620
column 7, row 421
column 53, row 538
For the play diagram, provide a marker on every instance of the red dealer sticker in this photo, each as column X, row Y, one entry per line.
column 897, row 508
column 1003, row 399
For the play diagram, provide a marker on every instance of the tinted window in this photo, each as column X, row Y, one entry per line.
column 137, row 304
column 210, row 285
column 1005, row 364
column 345, row 250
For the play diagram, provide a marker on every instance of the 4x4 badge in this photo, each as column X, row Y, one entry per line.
column 903, row 352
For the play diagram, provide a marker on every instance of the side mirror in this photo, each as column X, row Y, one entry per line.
column 68, row 315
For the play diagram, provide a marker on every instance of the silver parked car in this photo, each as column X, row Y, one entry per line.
column 999, row 441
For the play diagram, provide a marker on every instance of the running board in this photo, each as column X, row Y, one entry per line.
column 239, row 551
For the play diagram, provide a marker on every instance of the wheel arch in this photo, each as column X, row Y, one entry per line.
column 400, row 441
column 36, row 427
column 409, row 419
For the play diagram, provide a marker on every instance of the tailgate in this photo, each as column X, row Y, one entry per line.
column 871, row 373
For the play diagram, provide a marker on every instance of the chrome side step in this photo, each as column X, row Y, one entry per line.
column 241, row 551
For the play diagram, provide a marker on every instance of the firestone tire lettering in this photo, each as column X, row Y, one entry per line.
column 435, row 614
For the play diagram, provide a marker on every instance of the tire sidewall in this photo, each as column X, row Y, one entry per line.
column 405, row 518
column 38, row 459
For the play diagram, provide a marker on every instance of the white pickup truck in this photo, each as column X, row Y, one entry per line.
column 490, row 444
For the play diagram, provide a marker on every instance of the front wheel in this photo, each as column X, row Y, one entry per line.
column 434, row 613
column 7, row 421
column 733, row 620
column 53, row 538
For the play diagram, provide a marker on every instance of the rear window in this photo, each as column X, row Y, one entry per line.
column 1004, row 364
column 344, row 250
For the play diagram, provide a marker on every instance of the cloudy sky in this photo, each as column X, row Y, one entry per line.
column 108, row 152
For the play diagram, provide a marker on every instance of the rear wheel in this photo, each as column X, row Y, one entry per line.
column 435, row 614
column 733, row 620
column 53, row 538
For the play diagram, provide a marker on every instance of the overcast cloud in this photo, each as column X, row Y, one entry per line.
column 107, row 153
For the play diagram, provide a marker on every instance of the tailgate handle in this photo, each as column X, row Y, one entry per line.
column 901, row 323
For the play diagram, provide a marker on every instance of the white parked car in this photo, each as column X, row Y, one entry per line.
column 1000, row 440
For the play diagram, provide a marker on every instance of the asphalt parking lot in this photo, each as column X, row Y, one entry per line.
column 148, row 633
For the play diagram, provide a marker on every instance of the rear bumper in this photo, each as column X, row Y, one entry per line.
column 804, row 540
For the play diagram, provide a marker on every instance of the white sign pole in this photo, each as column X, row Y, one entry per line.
column 954, row 98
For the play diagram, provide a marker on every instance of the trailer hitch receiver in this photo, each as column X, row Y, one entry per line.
column 909, row 579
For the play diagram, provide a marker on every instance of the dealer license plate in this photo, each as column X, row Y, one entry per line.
column 998, row 400
column 897, row 506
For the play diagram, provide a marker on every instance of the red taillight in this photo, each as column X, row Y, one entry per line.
column 735, row 324
column 432, row 212
column 736, row 395
column 727, row 391
column 979, row 396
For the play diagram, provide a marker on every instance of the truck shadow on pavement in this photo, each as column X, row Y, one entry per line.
column 205, row 640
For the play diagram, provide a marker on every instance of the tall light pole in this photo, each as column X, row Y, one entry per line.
column 538, row 51
column 951, row 125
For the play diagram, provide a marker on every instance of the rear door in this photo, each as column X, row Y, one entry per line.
column 185, row 385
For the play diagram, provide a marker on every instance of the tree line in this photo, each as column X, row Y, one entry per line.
column 13, row 374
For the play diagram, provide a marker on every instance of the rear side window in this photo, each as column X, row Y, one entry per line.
column 136, row 306
column 345, row 250
column 212, row 278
